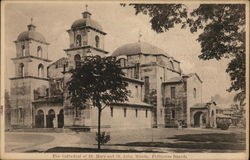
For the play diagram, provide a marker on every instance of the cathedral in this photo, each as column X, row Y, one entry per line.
column 161, row 94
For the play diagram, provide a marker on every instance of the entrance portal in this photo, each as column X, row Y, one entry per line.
column 49, row 119
column 199, row 119
column 60, row 118
column 39, row 119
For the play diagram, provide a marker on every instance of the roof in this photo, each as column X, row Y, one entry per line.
column 51, row 99
column 192, row 74
column 174, row 80
column 31, row 34
column 60, row 61
column 138, row 47
column 86, row 22
column 222, row 116
column 203, row 105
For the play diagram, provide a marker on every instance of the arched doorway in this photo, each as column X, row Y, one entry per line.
column 39, row 119
column 49, row 118
column 199, row 119
column 60, row 118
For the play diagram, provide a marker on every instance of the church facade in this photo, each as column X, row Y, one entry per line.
column 161, row 94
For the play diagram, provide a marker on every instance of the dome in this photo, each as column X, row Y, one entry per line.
column 31, row 34
column 139, row 47
column 86, row 21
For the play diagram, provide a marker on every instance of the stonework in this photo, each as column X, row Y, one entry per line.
column 161, row 94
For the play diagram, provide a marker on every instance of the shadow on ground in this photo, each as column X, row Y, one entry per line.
column 86, row 150
column 211, row 141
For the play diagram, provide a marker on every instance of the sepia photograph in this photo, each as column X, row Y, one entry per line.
column 124, row 80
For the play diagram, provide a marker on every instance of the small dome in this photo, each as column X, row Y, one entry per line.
column 139, row 47
column 27, row 35
column 31, row 34
column 86, row 21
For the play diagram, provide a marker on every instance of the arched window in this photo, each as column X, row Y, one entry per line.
column 40, row 112
column 77, row 59
column 172, row 92
column 78, row 41
column 123, row 62
column 136, row 92
column 20, row 114
column 111, row 111
column 21, row 70
column 97, row 41
column 194, row 92
column 125, row 112
column 173, row 113
column 171, row 65
column 23, row 51
column 39, row 51
column 40, row 70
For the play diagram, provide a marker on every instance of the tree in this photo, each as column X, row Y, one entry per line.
column 99, row 80
column 223, row 33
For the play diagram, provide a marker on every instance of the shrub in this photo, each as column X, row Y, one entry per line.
column 104, row 138
column 224, row 124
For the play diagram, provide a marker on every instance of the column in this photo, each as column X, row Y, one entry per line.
column 45, row 120
column 56, row 121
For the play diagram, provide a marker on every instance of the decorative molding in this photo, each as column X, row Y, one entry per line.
column 86, row 27
column 26, row 77
column 85, row 47
column 32, row 40
column 39, row 58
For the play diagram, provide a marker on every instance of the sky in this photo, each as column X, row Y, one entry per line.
column 121, row 25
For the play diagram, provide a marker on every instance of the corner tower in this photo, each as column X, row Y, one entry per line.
column 31, row 63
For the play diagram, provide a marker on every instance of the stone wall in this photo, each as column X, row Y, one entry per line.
column 175, row 108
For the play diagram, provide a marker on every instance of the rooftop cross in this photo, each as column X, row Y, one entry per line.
column 86, row 6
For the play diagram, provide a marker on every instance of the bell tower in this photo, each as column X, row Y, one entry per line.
column 31, row 63
column 86, row 37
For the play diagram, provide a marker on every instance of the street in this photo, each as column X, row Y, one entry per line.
column 144, row 140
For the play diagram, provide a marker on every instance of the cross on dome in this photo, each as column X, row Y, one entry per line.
column 86, row 7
